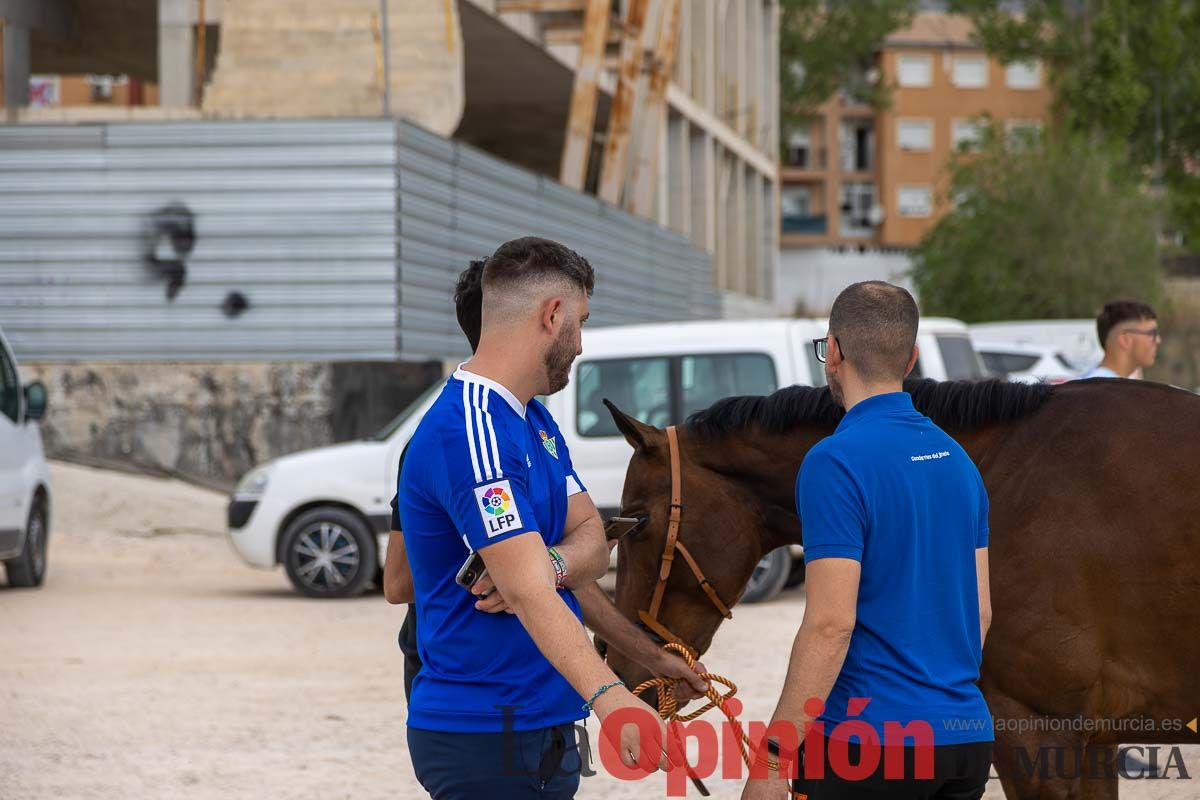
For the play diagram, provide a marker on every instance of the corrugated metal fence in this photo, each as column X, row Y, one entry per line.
column 287, row 240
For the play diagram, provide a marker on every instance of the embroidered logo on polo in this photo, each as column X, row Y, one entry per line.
column 497, row 509
column 548, row 443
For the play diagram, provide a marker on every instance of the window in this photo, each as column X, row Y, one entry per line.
column 914, row 201
column 1004, row 363
column 857, row 202
column 966, row 134
column 914, row 71
column 1021, row 133
column 914, row 134
column 969, row 72
column 641, row 387
column 10, row 387
column 1023, row 75
column 799, row 150
column 708, row 378
column 815, row 368
column 856, row 145
column 795, row 202
column 962, row 363
column 645, row 389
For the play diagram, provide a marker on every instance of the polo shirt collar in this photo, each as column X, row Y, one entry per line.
column 875, row 405
column 467, row 376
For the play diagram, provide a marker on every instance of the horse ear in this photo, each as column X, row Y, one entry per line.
column 638, row 434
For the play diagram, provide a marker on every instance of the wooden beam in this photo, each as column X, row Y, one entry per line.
column 535, row 6
column 582, row 118
column 645, row 165
column 571, row 35
column 620, row 114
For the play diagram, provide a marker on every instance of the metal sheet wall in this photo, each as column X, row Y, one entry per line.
column 342, row 237
column 457, row 204
column 296, row 217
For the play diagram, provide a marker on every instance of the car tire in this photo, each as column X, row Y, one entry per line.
column 329, row 552
column 796, row 576
column 769, row 576
column 29, row 568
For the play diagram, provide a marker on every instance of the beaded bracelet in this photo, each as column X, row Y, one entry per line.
column 588, row 705
column 560, row 567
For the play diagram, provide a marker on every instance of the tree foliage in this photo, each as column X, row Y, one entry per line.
column 1053, row 229
column 831, row 45
column 1123, row 71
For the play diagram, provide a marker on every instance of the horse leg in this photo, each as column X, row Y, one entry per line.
column 1036, row 763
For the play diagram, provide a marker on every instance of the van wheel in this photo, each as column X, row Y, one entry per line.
column 769, row 576
column 29, row 568
column 797, row 574
column 328, row 552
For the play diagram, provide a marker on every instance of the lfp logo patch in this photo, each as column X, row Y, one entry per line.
column 548, row 443
column 497, row 509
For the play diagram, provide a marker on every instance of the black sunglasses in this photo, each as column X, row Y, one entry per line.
column 821, row 347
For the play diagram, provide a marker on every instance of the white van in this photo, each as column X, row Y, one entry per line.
column 324, row 513
column 24, row 477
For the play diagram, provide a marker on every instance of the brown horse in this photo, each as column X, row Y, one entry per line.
column 1095, row 552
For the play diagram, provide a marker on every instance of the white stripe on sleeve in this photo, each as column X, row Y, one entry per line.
column 492, row 434
column 484, row 455
column 470, row 431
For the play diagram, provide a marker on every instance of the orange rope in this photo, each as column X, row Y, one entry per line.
column 668, row 705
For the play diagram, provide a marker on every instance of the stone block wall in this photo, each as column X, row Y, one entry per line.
column 215, row 421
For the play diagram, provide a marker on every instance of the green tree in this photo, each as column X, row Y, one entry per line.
column 831, row 45
column 1123, row 71
column 1052, row 229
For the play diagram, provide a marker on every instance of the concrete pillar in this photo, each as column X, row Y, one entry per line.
column 17, row 60
column 176, row 52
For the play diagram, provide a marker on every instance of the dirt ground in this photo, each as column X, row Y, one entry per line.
column 155, row 664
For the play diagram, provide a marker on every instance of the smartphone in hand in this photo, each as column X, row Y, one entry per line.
column 471, row 571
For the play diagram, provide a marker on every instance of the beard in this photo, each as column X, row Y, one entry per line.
column 558, row 360
column 835, row 389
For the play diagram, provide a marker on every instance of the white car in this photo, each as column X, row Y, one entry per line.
column 1026, row 363
column 24, row 477
column 324, row 513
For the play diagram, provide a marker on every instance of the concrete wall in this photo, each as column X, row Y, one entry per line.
column 811, row 278
column 215, row 421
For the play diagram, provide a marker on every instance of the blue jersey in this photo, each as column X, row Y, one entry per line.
column 894, row 492
column 481, row 468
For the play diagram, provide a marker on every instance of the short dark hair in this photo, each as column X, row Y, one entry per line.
column 468, row 302
column 1118, row 311
column 876, row 325
column 530, row 258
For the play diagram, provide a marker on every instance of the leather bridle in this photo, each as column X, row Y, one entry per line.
column 649, row 619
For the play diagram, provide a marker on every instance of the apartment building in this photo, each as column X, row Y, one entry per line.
column 860, row 187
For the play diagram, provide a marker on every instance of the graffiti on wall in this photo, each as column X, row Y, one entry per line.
column 168, row 242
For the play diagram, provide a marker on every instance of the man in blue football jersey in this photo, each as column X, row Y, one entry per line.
column 488, row 472
column 894, row 517
column 599, row 613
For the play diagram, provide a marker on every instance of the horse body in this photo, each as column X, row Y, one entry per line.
column 1094, row 551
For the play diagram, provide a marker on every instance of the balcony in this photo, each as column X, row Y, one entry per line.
column 804, row 225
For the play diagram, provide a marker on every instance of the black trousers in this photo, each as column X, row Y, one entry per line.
column 960, row 772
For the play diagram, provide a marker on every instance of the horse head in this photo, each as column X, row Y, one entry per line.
column 725, row 525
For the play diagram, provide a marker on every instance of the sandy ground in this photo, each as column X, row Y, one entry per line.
column 154, row 664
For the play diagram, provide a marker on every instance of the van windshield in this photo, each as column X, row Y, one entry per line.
column 409, row 410
column 961, row 360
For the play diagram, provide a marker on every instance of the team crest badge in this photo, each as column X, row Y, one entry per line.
column 548, row 443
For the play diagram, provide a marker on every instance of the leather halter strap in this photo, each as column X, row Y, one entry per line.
column 650, row 618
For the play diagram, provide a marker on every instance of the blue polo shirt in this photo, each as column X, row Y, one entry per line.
column 894, row 492
column 481, row 468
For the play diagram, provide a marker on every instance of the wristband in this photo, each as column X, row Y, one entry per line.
column 560, row 567
column 588, row 705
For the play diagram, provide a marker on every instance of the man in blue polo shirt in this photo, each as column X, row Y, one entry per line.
column 488, row 471
column 894, row 520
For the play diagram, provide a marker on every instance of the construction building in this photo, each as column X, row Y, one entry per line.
column 861, row 187
column 665, row 108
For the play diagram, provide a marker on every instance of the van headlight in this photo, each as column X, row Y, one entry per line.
column 254, row 484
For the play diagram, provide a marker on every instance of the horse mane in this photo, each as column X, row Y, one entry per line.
column 953, row 405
